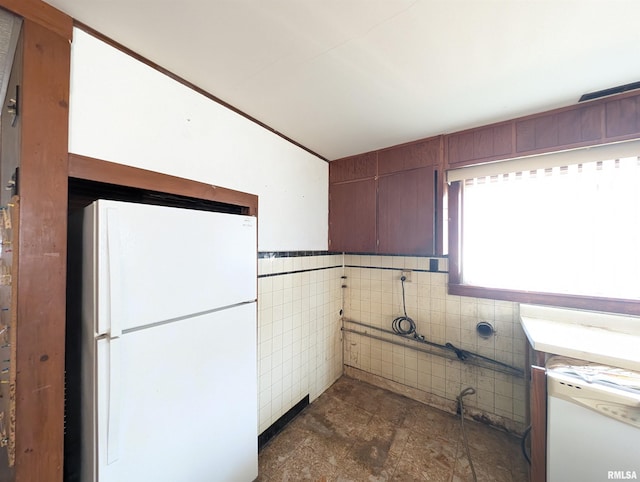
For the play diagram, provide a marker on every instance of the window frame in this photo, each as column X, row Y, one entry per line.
column 456, row 286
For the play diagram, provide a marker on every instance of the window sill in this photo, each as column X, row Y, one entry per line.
column 613, row 305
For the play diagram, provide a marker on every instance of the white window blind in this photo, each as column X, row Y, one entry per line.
column 567, row 229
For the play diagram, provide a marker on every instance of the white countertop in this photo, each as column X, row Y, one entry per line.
column 604, row 338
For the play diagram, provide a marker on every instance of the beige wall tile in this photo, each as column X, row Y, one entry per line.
column 440, row 318
column 300, row 350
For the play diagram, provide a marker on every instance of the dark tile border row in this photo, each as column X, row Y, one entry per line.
column 282, row 273
column 399, row 255
column 294, row 254
column 395, row 269
column 432, row 268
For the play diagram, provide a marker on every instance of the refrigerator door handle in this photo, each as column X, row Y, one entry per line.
column 114, row 259
column 114, row 400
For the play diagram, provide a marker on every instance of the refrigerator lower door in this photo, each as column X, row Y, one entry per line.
column 178, row 401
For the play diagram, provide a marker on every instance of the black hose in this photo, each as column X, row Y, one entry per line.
column 403, row 325
column 466, row 355
column 461, row 354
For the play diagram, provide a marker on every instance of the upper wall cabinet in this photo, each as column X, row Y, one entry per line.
column 622, row 117
column 385, row 201
column 409, row 156
column 363, row 166
column 352, row 203
column 477, row 144
column 595, row 122
column 352, row 216
column 406, row 212
column 568, row 127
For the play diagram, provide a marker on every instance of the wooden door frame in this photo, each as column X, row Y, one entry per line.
column 40, row 265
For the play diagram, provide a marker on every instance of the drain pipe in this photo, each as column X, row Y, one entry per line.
column 464, row 355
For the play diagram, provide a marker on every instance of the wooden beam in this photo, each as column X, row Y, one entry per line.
column 41, row 264
column 43, row 14
column 91, row 169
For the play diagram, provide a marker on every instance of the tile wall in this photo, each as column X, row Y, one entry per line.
column 374, row 296
column 299, row 337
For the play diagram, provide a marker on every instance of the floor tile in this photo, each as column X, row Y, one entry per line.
column 357, row 432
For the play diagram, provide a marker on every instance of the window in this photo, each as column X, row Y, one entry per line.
column 564, row 228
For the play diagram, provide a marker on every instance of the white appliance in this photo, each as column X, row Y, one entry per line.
column 593, row 422
column 169, row 369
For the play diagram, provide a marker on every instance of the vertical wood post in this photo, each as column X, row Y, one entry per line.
column 538, row 424
column 41, row 265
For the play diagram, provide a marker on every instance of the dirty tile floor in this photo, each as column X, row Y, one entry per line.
column 358, row 432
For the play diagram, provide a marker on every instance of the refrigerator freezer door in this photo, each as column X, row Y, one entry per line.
column 186, row 402
column 155, row 263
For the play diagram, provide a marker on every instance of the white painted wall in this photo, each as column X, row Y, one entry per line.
column 123, row 111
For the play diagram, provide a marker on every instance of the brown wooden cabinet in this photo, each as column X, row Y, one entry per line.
column 600, row 121
column 406, row 212
column 410, row 156
column 557, row 130
column 352, row 216
column 362, row 166
column 476, row 145
column 352, row 203
column 385, row 201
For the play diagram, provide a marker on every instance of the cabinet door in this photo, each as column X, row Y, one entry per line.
column 352, row 216
column 406, row 212
column 410, row 156
column 362, row 166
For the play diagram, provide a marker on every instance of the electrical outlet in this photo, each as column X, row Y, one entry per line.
column 407, row 275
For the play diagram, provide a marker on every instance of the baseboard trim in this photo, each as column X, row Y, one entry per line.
column 279, row 424
column 436, row 401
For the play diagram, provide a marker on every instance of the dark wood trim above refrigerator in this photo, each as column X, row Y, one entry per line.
column 91, row 169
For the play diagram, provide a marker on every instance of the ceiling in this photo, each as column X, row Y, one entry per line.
column 348, row 76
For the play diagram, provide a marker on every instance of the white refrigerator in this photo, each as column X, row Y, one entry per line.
column 169, row 355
